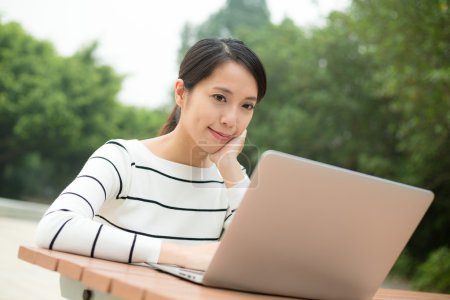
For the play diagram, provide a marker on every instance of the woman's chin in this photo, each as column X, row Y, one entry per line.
column 212, row 148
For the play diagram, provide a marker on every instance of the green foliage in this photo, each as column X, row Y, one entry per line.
column 139, row 123
column 404, row 266
column 434, row 273
column 235, row 15
column 409, row 42
column 54, row 112
column 326, row 111
column 414, row 71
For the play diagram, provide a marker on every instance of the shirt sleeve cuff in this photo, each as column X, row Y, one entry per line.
column 147, row 249
column 237, row 191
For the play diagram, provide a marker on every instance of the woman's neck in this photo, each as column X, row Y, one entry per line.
column 178, row 147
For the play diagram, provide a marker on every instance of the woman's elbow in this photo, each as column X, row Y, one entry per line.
column 42, row 234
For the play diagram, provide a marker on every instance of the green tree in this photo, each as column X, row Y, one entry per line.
column 409, row 41
column 319, row 104
column 235, row 15
column 54, row 112
column 139, row 123
column 434, row 273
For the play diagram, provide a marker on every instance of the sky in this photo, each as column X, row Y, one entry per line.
column 139, row 38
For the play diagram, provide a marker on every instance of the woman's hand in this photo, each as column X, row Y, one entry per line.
column 195, row 257
column 231, row 149
column 226, row 160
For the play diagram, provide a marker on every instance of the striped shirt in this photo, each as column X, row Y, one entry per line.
column 126, row 200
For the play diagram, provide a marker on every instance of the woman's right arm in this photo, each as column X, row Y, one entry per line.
column 68, row 224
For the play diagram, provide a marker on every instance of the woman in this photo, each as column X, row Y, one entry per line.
column 167, row 199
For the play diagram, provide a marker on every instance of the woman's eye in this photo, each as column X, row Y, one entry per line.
column 248, row 106
column 219, row 97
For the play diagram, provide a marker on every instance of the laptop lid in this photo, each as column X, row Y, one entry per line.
column 312, row 230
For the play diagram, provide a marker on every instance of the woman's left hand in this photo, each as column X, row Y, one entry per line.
column 226, row 160
column 231, row 149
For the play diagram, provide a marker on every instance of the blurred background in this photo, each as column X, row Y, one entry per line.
column 360, row 84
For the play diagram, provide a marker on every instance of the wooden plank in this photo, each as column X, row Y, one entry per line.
column 126, row 290
column 38, row 256
column 27, row 254
column 405, row 294
column 70, row 269
column 136, row 280
column 156, row 286
column 46, row 261
column 72, row 265
column 99, row 280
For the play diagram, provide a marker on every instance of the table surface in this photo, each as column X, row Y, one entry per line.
column 127, row 281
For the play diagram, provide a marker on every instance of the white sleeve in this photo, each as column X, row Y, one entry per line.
column 234, row 196
column 68, row 224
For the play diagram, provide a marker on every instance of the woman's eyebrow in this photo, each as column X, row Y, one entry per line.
column 227, row 91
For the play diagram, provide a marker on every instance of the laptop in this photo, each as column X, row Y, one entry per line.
column 311, row 230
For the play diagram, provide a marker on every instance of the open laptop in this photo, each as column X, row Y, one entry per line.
column 310, row 230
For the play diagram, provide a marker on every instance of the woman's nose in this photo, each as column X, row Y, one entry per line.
column 229, row 118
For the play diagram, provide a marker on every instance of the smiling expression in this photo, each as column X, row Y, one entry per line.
column 219, row 107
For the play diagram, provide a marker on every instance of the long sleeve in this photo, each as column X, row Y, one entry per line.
column 234, row 197
column 69, row 225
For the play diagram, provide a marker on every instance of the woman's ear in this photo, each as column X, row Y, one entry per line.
column 180, row 92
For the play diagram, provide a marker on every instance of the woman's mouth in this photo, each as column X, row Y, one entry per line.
column 219, row 135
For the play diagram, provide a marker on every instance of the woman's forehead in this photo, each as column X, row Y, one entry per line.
column 231, row 76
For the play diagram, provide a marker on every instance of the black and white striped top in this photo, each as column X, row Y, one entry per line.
column 126, row 200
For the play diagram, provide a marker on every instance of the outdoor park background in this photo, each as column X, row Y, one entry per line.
column 369, row 90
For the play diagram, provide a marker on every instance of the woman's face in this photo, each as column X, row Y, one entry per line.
column 219, row 108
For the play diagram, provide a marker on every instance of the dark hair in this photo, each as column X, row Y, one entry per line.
column 201, row 60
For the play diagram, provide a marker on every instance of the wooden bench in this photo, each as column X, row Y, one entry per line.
column 90, row 278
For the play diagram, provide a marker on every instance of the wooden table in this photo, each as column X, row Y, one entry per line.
column 82, row 277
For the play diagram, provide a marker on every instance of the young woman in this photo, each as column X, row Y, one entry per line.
column 167, row 199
